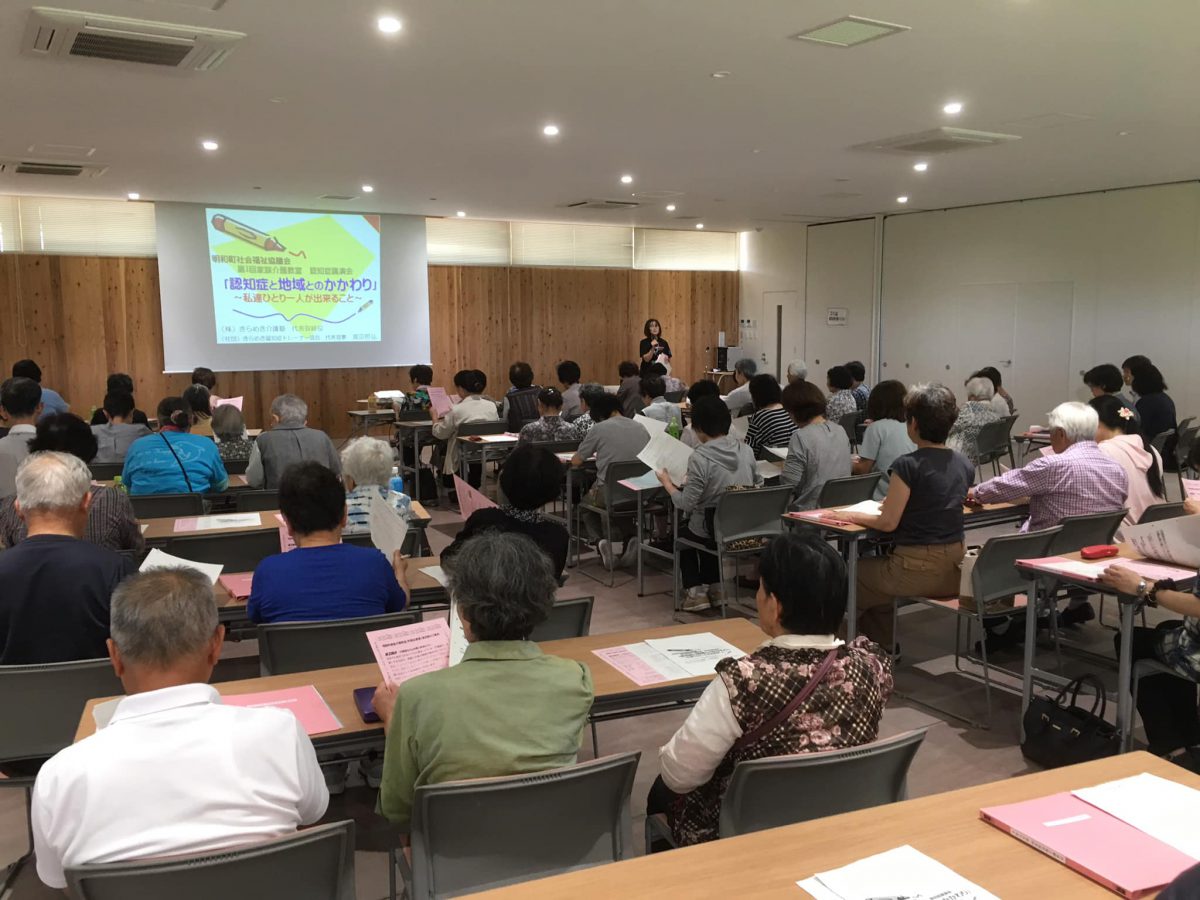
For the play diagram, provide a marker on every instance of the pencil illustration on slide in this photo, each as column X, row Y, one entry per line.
column 293, row 277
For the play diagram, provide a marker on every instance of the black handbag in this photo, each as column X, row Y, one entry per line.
column 1058, row 733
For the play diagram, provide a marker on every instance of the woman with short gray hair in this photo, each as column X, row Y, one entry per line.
column 367, row 471
column 975, row 413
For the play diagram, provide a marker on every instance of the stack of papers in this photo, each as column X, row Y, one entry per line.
column 1163, row 809
column 1171, row 540
column 670, row 659
column 209, row 523
column 1091, row 571
column 305, row 703
column 664, row 452
column 156, row 559
column 389, row 395
column 899, row 874
column 867, row 507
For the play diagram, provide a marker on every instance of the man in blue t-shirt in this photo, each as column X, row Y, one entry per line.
column 323, row 578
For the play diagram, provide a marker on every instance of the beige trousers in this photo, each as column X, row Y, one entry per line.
column 911, row 571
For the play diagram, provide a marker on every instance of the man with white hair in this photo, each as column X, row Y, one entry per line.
column 1075, row 480
column 54, row 585
column 739, row 397
column 797, row 370
column 173, row 770
column 290, row 440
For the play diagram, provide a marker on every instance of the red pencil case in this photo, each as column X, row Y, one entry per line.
column 1099, row 551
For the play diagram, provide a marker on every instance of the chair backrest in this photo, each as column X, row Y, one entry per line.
column 751, row 514
column 314, row 864
column 1160, row 511
column 161, row 506
column 1078, row 532
column 674, row 396
column 239, row 551
column 849, row 423
column 106, row 471
column 473, row 835
column 256, row 501
column 467, row 429
column 41, row 704
column 622, row 470
column 287, row 647
column 522, row 407
column 848, row 491
column 1159, row 442
column 558, row 446
column 992, row 441
column 783, row 790
column 995, row 574
column 1185, row 443
column 568, row 619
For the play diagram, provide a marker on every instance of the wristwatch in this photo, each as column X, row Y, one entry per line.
column 1141, row 589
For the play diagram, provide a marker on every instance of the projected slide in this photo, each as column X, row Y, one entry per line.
column 291, row 277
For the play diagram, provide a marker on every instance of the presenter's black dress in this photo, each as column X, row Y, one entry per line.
column 644, row 348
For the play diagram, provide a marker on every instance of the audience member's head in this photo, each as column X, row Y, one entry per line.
column 804, row 401
column 503, row 585
column 549, row 401
column 652, row 328
column 27, row 368
column 980, row 388
column 604, row 407
column 119, row 382
column 174, row 412
column 1071, row 423
column 569, row 372
column 1104, row 379
column 198, row 398
column 857, row 371
column 703, row 388
column 931, row 410
column 1148, row 379
column 65, row 433
column 657, row 369
column 887, row 401
column 21, row 399
column 312, row 499
column 628, row 369
column 652, row 387
column 367, row 461
column 470, row 381
column 205, row 377
column 992, row 374
column 710, row 418
column 118, row 406
column 54, row 493
column 744, row 369
column 228, row 423
column 164, row 629
column 520, row 375
column 802, row 586
column 532, row 477
column 421, row 376
column 588, row 393
column 764, row 391
column 839, row 379
column 797, row 370
column 1128, row 368
column 288, row 409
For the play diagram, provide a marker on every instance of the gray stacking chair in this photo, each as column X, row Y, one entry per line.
column 288, row 647
column 162, row 506
column 848, row 491
column 568, row 619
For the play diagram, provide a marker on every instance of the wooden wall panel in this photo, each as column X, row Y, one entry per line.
column 83, row 317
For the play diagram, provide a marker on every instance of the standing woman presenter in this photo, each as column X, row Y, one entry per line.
column 654, row 346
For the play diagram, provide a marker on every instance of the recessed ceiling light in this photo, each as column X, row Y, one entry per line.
column 721, row 74
column 626, row 179
column 368, row 188
column 134, row 195
column 849, row 32
column 1122, row 134
column 210, row 145
column 920, row 167
column 389, row 24
column 460, row 213
column 901, row 199
column 550, row 131
column 699, row 224
column 670, row 207
column 952, row 109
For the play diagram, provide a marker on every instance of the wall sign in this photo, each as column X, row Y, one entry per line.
column 837, row 315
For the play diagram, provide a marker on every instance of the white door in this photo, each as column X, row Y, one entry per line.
column 779, row 318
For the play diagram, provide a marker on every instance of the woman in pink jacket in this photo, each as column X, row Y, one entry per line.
column 1119, row 438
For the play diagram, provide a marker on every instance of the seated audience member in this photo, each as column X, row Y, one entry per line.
column 473, row 408
column 739, row 398
column 21, row 402
column 290, row 440
column 175, row 771
column 771, row 425
column 975, row 413
column 118, row 432
column 797, row 370
column 1128, row 368
column 367, row 472
column 531, row 478
column 568, row 376
column 52, row 401
column 207, row 379
column 1105, row 380
column 111, row 521
column 421, row 378
column 322, row 578
column 858, row 374
column 54, row 603
column 507, row 708
column 630, row 390
column 1155, row 408
column 655, row 405
column 550, row 426
column 581, row 425
column 172, row 461
column 702, row 388
column 1118, row 437
column 923, row 512
column 670, row 383
column 229, row 430
column 119, row 383
column 886, row 438
column 841, row 396
column 720, row 462
column 520, row 403
column 1076, row 479
column 613, row 438
column 801, row 603
column 197, row 398
column 817, row 451
column 1002, row 401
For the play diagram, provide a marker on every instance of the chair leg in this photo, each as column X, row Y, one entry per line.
column 14, row 869
column 392, row 874
column 595, row 741
column 721, row 572
column 676, row 574
column 987, row 681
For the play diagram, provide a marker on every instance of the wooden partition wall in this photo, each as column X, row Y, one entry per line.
column 82, row 317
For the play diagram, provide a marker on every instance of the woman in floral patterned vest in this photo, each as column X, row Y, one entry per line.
column 801, row 603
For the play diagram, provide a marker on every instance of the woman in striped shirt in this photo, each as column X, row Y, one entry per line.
column 771, row 425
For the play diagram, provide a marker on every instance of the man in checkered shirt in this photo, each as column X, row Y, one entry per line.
column 1075, row 480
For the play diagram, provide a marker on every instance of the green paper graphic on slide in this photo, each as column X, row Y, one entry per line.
column 312, row 280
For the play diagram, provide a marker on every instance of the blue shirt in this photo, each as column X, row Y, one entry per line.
column 152, row 468
column 310, row 584
column 52, row 403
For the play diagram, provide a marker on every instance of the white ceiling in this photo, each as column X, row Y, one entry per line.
column 452, row 107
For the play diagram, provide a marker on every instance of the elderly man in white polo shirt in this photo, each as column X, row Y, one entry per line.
column 174, row 771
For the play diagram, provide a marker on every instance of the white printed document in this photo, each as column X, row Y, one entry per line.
column 1170, row 540
column 437, row 573
column 654, row 426
column 664, row 452
column 739, row 426
column 899, row 874
column 156, row 559
column 866, row 507
column 696, row 654
column 388, row 530
column 1165, row 810
column 781, row 452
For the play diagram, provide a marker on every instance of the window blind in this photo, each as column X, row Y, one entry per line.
column 85, row 226
column 468, row 241
column 687, row 250
column 559, row 244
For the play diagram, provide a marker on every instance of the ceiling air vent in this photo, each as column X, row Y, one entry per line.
column 33, row 167
column 336, row 197
column 603, row 204
column 938, row 140
column 61, row 32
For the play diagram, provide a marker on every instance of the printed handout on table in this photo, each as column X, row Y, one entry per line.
column 696, row 654
column 156, row 559
column 305, row 703
column 900, row 873
column 1163, row 809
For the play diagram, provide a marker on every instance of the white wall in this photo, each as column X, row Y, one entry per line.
column 773, row 263
column 841, row 275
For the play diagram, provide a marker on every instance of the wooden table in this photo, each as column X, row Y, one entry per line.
column 162, row 530
column 236, row 483
column 945, row 826
column 363, row 420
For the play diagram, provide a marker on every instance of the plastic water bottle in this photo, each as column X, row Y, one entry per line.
column 674, row 429
column 119, row 484
column 398, row 498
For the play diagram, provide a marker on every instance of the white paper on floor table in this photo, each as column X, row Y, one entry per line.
column 900, row 873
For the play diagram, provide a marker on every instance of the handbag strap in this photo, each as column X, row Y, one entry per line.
column 1100, row 698
column 784, row 714
column 186, row 480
